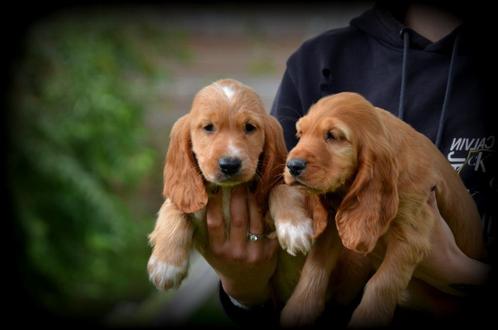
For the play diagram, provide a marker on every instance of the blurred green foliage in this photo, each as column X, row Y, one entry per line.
column 80, row 149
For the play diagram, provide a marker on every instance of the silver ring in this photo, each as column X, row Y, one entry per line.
column 254, row 237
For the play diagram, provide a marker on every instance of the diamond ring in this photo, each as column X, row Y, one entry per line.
column 254, row 237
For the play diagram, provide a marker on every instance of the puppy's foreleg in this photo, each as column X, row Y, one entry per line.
column 407, row 245
column 307, row 302
column 172, row 242
column 293, row 224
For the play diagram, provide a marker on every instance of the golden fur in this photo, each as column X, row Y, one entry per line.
column 227, row 119
column 380, row 172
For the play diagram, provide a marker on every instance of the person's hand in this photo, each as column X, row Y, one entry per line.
column 445, row 270
column 447, row 267
column 244, row 267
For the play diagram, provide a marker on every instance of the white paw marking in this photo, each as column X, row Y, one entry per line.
column 166, row 276
column 295, row 238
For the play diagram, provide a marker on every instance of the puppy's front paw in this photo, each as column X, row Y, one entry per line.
column 364, row 318
column 298, row 315
column 164, row 275
column 295, row 237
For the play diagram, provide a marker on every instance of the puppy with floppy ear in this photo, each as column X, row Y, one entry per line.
column 226, row 140
column 380, row 172
column 185, row 193
column 181, row 170
column 371, row 202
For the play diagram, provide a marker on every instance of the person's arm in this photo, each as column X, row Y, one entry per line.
column 266, row 313
column 445, row 270
column 244, row 267
column 450, row 269
column 287, row 108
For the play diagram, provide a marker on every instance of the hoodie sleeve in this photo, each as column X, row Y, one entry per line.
column 287, row 108
column 265, row 314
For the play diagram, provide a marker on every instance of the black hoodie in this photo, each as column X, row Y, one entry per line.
column 380, row 58
column 367, row 57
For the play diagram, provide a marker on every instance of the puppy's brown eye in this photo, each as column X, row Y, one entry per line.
column 330, row 136
column 209, row 128
column 249, row 128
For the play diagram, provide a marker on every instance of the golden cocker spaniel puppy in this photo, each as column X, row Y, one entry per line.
column 226, row 140
column 380, row 172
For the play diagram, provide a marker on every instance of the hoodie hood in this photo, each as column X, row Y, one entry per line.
column 380, row 24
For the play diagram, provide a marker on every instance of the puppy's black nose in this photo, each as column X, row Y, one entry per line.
column 296, row 166
column 229, row 165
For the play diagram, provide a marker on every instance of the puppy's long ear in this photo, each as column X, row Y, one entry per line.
column 272, row 160
column 372, row 201
column 183, row 183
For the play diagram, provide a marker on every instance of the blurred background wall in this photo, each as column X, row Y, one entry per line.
column 93, row 91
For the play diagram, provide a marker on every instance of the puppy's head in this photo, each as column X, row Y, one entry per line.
column 227, row 130
column 226, row 139
column 343, row 147
column 326, row 156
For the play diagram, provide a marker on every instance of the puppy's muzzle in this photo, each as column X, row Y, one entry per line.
column 229, row 165
column 296, row 166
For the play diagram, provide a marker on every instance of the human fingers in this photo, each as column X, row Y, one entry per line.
column 267, row 247
column 215, row 222
column 441, row 231
column 432, row 197
column 432, row 201
column 256, row 223
column 256, row 228
column 239, row 219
